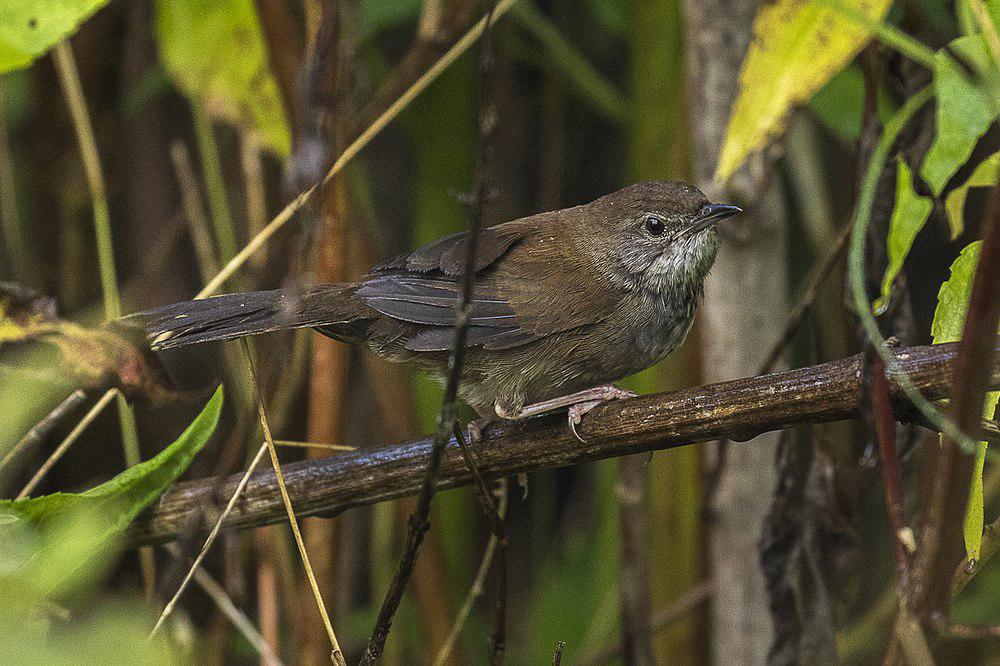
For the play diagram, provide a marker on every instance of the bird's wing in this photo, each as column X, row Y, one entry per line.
column 523, row 289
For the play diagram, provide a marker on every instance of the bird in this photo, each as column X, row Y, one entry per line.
column 563, row 303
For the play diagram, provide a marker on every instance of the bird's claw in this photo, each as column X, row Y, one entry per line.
column 476, row 428
column 604, row 394
column 576, row 413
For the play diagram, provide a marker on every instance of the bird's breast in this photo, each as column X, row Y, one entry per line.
column 658, row 326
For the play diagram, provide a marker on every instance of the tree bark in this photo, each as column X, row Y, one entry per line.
column 745, row 306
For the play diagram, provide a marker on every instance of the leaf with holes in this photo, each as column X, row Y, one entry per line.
column 215, row 51
column 33, row 338
column 949, row 319
column 29, row 28
column 798, row 46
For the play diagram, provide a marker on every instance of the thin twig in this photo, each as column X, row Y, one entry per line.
column 215, row 184
column 42, row 428
column 557, row 657
column 267, row 588
column 492, row 512
column 633, row 561
column 476, row 588
column 208, row 541
column 256, row 192
column 806, row 300
column 73, row 435
column 194, row 212
column 230, row 610
column 336, row 655
column 660, row 620
column 885, row 431
column 322, row 251
column 418, row 523
column 69, row 80
column 970, row 631
column 314, row 445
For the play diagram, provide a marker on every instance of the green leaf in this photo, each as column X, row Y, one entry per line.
column 840, row 102
column 985, row 175
column 908, row 217
column 953, row 297
column 215, row 52
column 30, row 28
column 949, row 320
column 993, row 9
column 118, row 501
column 798, row 47
column 964, row 110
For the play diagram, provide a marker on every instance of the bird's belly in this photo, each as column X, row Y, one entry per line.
column 557, row 366
column 567, row 361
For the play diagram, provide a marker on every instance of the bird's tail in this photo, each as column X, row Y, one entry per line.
column 245, row 314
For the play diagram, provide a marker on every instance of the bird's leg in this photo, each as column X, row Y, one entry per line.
column 477, row 426
column 579, row 403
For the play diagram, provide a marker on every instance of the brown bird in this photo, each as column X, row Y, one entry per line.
column 563, row 303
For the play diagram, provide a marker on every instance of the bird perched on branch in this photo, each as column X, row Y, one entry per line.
column 563, row 303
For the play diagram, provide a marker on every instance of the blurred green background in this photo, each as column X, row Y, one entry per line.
column 590, row 96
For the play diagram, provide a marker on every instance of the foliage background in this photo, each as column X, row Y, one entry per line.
column 590, row 96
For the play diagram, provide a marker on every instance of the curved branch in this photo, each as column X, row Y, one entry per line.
column 737, row 410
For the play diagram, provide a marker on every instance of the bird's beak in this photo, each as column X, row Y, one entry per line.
column 710, row 214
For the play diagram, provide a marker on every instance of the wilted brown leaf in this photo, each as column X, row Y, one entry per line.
column 108, row 356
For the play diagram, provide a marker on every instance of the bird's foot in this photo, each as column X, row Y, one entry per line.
column 476, row 428
column 579, row 403
column 603, row 394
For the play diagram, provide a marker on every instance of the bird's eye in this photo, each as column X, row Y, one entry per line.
column 655, row 226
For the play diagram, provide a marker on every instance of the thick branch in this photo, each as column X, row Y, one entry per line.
column 737, row 410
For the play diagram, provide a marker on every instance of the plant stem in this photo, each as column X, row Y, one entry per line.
column 69, row 79
column 887, row 34
column 856, row 262
column 22, row 263
column 215, row 184
column 419, row 521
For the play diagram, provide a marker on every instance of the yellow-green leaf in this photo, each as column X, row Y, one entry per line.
column 964, row 110
column 215, row 51
column 114, row 354
column 908, row 217
column 29, row 28
column 953, row 297
column 798, row 46
column 949, row 319
column 985, row 175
